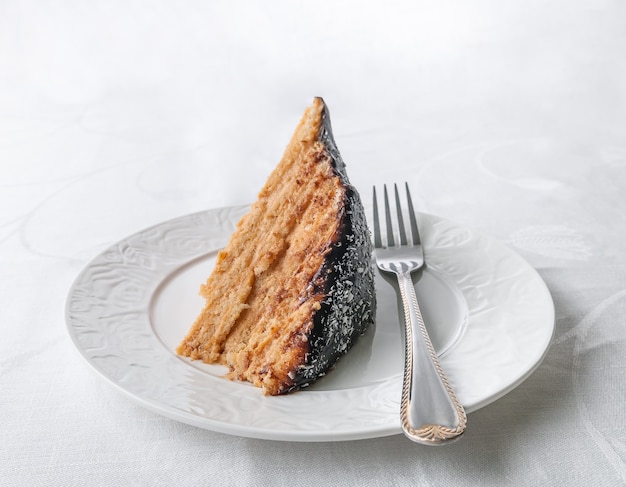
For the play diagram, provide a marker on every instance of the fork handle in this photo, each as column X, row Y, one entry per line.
column 430, row 413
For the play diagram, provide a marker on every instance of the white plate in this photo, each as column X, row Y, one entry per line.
column 490, row 315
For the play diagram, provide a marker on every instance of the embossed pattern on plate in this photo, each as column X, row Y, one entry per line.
column 490, row 314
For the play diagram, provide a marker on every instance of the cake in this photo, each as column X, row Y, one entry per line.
column 294, row 287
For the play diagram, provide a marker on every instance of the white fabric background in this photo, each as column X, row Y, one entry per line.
column 508, row 117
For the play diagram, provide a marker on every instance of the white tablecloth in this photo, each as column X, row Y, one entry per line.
column 506, row 117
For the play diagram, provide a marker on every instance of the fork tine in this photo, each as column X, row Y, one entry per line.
column 390, row 242
column 378, row 241
column 414, row 230
column 400, row 219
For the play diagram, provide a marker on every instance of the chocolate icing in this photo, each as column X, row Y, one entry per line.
column 346, row 280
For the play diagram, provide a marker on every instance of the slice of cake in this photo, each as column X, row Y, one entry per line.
column 294, row 287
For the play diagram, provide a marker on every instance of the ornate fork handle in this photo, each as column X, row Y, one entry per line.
column 430, row 413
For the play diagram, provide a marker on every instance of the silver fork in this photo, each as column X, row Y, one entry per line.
column 430, row 413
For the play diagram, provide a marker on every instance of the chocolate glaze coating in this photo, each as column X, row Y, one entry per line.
column 346, row 280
